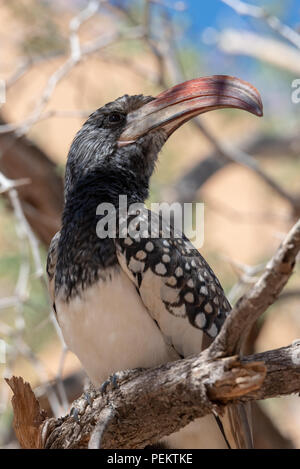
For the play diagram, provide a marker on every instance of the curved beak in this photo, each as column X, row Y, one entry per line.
column 170, row 109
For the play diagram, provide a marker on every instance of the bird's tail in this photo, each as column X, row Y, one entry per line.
column 236, row 426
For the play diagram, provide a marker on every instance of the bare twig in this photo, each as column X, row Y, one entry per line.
column 22, row 128
column 9, row 186
column 263, row 48
column 234, row 154
column 28, row 244
column 255, row 302
column 77, row 54
column 26, row 64
column 75, row 24
column 246, row 9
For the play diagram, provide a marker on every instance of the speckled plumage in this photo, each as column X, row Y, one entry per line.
column 188, row 287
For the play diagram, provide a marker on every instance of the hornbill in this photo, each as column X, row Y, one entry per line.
column 130, row 301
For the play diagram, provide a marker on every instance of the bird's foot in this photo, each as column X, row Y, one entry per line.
column 74, row 413
column 80, row 405
column 111, row 382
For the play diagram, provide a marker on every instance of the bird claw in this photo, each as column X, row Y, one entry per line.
column 74, row 413
column 80, row 405
column 111, row 381
column 103, row 386
column 89, row 398
column 114, row 381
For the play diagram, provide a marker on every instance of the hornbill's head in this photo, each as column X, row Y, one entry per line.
column 120, row 141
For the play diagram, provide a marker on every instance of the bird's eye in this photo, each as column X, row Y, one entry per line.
column 115, row 118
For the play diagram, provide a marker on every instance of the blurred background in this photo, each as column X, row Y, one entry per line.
column 62, row 59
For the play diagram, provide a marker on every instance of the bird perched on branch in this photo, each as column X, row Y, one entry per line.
column 138, row 298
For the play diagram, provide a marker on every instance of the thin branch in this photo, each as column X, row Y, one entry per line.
column 28, row 245
column 238, row 156
column 263, row 294
column 27, row 63
column 23, row 223
column 23, row 127
column 263, row 48
column 8, row 185
column 75, row 24
column 176, row 6
column 77, row 54
column 245, row 9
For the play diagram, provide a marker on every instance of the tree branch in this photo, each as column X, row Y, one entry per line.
column 261, row 47
column 246, row 9
column 259, row 145
column 264, row 293
column 168, row 398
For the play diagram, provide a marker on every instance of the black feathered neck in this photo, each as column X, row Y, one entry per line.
column 105, row 185
column 82, row 256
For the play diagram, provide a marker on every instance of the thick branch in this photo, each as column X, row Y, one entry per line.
column 150, row 404
column 283, row 372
